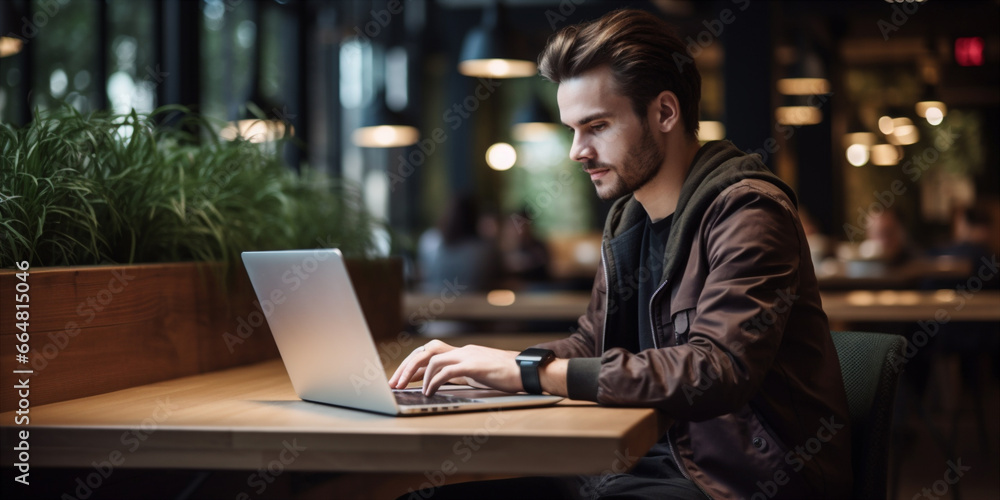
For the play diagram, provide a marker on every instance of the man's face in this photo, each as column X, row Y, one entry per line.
column 613, row 145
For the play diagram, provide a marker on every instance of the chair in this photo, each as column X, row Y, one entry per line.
column 870, row 364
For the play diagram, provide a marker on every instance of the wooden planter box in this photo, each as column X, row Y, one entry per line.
column 97, row 329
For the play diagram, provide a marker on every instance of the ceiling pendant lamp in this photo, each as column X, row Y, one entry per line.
column 9, row 45
column 930, row 108
column 806, row 81
column 533, row 121
column 257, row 126
column 486, row 51
column 261, row 119
column 798, row 115
column 808, row 76
column 384, row 128
column 858, row 142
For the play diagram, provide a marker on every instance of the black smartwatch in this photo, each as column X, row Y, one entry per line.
column 529, row 360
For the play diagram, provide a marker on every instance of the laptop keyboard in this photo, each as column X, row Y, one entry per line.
column 416, row 398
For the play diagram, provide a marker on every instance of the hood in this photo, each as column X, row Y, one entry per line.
column 716, row 166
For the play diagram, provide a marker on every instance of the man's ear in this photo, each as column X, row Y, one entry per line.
column 666, row 112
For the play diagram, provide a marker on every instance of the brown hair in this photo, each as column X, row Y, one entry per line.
column 646, row 57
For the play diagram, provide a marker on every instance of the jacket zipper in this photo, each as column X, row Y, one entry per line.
column 607, row 285
column 652, row 328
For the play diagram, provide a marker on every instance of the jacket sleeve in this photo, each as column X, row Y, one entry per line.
column 583, row 342
column 750, row 248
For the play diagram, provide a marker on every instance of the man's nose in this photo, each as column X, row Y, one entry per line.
column 581, row 150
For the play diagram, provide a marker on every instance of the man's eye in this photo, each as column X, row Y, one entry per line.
column 599, row 127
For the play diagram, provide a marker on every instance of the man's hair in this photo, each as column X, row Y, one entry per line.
column 640, row 49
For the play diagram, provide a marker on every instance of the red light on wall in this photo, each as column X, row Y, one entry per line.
column 969, row 51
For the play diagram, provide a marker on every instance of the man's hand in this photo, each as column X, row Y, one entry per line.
column 473, row 365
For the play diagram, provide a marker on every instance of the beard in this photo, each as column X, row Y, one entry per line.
column 641, row 165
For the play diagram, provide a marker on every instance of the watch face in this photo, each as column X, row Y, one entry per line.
column 534, row 355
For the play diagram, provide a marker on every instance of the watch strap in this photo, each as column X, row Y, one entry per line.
column 529, row 361
column 529, row 377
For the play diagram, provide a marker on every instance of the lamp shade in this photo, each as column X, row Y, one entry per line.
column 486, row 50
column 9, row 45
column 256, row 130
column 808, row 74
column 533, row 121
column 385, row 136
column 858, row 141
column 923, row 107
column 805, row 78
column 257, row 125
column 803, row 86
column 384, row 128
column 930, row 107
column 798, row 115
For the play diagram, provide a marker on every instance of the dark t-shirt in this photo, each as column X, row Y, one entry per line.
column 654, row 242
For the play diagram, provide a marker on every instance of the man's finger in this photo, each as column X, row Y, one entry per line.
column 402, row 366
column 434, row 366
column 438, row 379
column 418, row 375
column 399, row 372
column 407, row 371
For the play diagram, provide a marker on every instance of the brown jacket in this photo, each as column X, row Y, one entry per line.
column 744, row 362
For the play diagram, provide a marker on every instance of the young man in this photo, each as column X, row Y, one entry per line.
column 706, row 304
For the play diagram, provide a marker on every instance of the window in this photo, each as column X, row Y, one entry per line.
column 133, row 74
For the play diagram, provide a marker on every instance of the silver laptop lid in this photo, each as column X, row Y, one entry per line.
column 319, row 328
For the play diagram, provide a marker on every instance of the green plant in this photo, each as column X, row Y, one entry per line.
column 81, row 189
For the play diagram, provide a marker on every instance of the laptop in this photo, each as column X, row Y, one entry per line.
column 327, row 349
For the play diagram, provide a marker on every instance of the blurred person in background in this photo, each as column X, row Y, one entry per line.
column 971, row 231
column 454, row 254
column 525, row 256
column 886, row 240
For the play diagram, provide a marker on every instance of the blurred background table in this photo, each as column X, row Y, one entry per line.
column 840, row 306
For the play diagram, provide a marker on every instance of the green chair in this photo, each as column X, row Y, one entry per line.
column 870, row 364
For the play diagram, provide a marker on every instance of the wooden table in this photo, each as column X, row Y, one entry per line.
column 840, row 306
column 248, row 417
